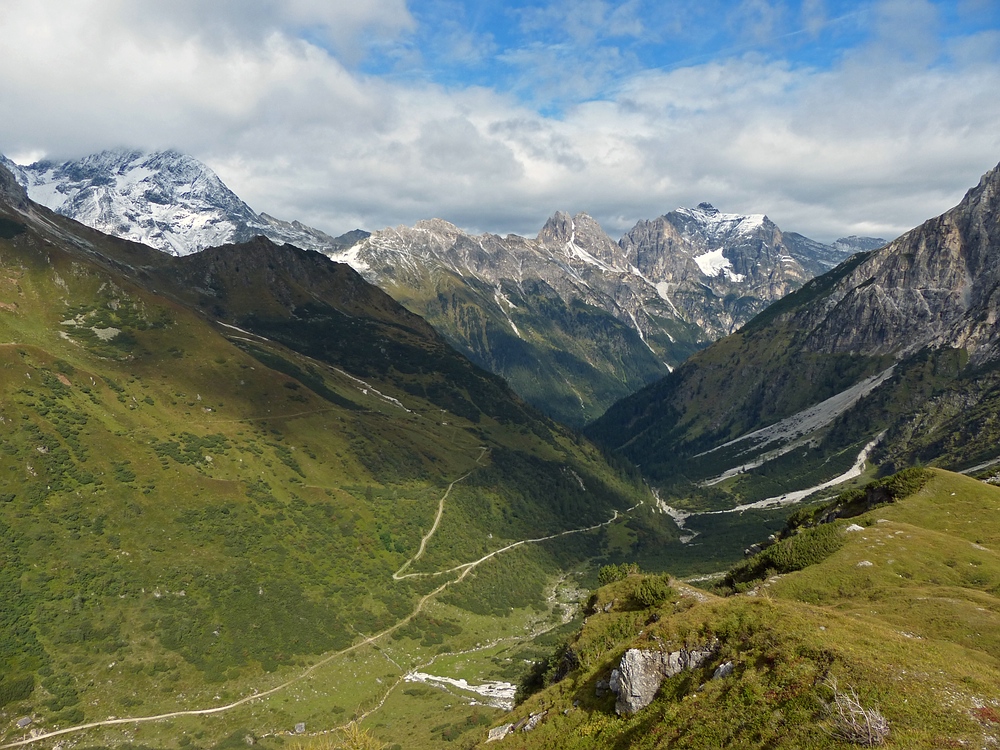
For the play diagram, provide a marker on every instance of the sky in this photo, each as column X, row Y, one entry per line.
column 833, row 117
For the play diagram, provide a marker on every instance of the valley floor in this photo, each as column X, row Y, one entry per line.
column 257, row 694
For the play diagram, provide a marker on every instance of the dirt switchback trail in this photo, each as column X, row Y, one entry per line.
column 464, row 570
column 398, row 575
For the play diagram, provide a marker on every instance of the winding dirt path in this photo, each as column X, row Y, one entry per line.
column 398, row 575
column 465, row 568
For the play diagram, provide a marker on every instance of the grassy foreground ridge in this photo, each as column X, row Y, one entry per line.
column 900, row 605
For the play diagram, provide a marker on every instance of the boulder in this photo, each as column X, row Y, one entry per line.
column 723, row 670
column 640, row 674
column 533, row 721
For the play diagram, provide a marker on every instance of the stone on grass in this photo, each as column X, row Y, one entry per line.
column 640, row 674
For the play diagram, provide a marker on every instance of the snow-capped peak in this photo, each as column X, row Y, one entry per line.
column 707, row 219
column 164, row 199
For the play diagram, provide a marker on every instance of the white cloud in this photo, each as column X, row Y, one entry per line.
column 261, row 92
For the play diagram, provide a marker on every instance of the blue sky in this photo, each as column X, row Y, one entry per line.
column 555, row 54
column 832, row 117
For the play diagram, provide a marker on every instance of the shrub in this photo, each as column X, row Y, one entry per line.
column 611, row 573
column 16, row 690
column 653, row 590
column 794, row 553
column 854, row 723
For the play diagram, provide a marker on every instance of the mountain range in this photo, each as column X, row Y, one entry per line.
column 572, row 319
column 896, row 349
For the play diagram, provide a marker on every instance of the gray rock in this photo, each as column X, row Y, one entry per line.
column 723, row 670
column 22, row 723
column 602, row 688
column 533, row 721
column 641, row 673
column 300, row 727
column 498, row 733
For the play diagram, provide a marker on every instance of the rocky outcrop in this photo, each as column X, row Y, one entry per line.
column 571, row 318
column 11, row 191
column 937, row 285
column 640, row 674
column 498, row 733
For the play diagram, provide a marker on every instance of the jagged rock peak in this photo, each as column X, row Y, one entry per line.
column 10, row 190
column 437, row 226
column 582, row 239
column 707, row 220
column 562, row 228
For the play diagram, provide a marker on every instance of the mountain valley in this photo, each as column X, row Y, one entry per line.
column 252, row 498
column 248, row 490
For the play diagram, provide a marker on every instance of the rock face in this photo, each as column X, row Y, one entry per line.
column 571, row 318
column 498, row 733
column 937, row 285
column 164, row 199
column 640, row 674
column 916, row 318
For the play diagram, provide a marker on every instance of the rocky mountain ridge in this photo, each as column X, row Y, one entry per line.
column 572, row 318
column 894, row 351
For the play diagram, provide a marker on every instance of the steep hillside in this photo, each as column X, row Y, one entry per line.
column 879, row 630
column 247, row 490
column 899, row 342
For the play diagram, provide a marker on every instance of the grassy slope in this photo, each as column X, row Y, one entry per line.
column 572, row 362
column 914, row 633
column 188, row 515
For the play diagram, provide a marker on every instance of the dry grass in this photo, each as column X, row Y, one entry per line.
column 853, row 722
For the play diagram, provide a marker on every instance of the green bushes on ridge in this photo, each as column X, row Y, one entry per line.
column 809, row 536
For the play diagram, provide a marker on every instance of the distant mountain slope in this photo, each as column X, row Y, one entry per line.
column 926, row 305
column 212, row 466
column 572, row 319
column 164, row 199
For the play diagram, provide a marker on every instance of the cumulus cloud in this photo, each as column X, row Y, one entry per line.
column 275, row 97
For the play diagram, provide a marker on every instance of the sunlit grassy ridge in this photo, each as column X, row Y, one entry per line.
column 904, row 611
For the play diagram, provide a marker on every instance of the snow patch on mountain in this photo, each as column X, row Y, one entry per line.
column 714, row 262
column 715, row 224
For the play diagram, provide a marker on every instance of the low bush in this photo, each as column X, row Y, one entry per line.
column 793, row 553
column 653, row 590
